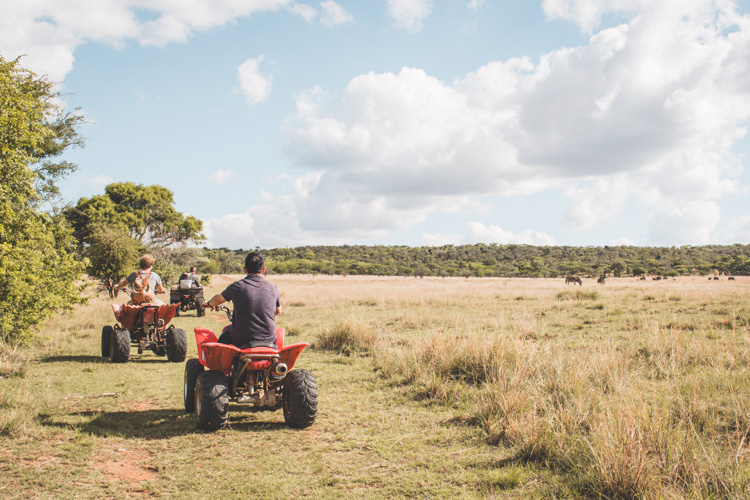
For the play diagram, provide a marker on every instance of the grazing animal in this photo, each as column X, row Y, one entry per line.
column 574, row 280
column 656, row 278
column 643, row 278
column 602, row 279
column 731, row 278
column 716, row 278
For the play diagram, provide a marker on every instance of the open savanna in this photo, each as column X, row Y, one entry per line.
column 434, row 387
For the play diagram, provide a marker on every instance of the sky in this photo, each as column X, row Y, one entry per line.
column 283, row 123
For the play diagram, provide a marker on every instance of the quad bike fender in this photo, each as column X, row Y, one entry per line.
column 127, row 314
column 290, row 353
column 216, row 356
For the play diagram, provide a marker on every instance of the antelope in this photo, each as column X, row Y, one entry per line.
column 574, row 280
column 602, row 279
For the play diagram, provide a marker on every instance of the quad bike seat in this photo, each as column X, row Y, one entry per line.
column 133, row 316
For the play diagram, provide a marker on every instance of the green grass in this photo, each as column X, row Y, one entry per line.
column 439, row 388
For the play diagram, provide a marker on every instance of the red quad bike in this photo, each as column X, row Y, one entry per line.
column 259, row 376
column 146, row 326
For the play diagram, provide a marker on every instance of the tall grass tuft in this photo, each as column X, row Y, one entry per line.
column 348, row 337
column 577, row 295
column 12, row 363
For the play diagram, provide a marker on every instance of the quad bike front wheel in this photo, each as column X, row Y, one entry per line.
column 176, row 345
column 200, row 312
column 211, row 400
column 106, row 338
column 119, row 345
column 300, row 399
column 193, row 369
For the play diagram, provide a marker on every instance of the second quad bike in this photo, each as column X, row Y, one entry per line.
column 147, row 327
column 258, row 376
column 188, row 295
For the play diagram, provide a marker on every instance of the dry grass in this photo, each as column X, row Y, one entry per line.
column 505, row 388
column 630, row 390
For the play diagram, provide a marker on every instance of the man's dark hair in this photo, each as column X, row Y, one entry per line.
column 193, row 269
column 254, row 263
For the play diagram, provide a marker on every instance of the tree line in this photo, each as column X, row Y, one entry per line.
column 512, row 260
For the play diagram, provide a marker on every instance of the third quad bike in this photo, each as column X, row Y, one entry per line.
column 188, row 295
column 259, row 376
column 146, row 326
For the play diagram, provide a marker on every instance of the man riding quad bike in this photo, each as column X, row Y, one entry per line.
column 188, row 294
column 259, row 376
column 146, row 326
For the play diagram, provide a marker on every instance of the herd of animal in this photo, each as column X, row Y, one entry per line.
column 601, row 280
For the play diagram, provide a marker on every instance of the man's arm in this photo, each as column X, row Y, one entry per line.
column 214, row 301
column 121, row 284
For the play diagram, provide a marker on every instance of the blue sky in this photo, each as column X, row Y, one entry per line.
column 416, row 122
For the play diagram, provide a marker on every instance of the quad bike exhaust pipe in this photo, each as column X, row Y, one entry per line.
column 280, row 369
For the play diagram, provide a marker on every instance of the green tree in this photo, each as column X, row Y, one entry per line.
column 146, row 211
column 38, row 273
column 112, row 255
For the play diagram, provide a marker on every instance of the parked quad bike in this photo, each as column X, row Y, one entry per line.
column 189, row 296
column 259, row 376
column 147, row 327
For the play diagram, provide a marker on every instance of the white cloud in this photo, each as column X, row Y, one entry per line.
column 305, row 11
column 690, row 224
column 334, row 14
column 409, row 14
column 596, row 203
column 256, row 87
column 622, row 242
column 221, row 176
column 479, row 233
column 475, row 4
column 232, row 231
column 49, row 31
column 649, row 110
column 739, row 231
column 438, row 240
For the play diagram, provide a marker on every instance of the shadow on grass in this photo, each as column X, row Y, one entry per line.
column 151, row 424
column 144, row 424
column 75, row 359
column 99, row 359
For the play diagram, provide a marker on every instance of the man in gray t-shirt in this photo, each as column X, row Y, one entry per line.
column 256, row 304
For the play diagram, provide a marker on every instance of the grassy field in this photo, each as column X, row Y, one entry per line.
column 440, row 388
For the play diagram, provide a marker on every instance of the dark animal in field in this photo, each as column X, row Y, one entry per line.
column 602, row 279
column 574, row 280
column 643, row 278
column 656, row 278
column 731, row 278
column 716, row 278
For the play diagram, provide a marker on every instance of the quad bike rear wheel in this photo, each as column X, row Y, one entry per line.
column 106, row 337
column 300, row 399
column 176, row 345
column 200, row 312
column 211, row 400
column 193, row 368
column 119, row 345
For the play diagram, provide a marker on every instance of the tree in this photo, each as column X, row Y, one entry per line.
column 147, row 213
column 38, row 273
column 112, row 254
